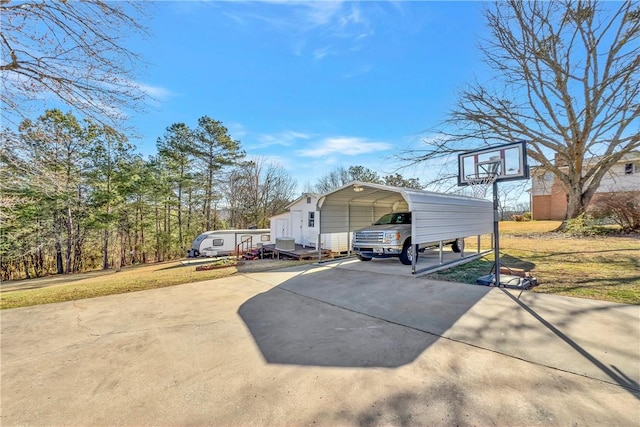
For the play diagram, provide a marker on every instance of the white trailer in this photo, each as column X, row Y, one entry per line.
column 227, row 242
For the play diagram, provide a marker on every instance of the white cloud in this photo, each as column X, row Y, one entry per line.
column 352, row 17
column 358, row 71
column 321, row 53
column 315, row 23
column 348, row 146
column 236, row 18
column 298, row 47
column 284, row 138
column 236, row 130
column 364, row 35
column 321, row 12
column 156, row 92
column 281, row 161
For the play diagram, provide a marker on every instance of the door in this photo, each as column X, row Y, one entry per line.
column 282, row 228
column 296, row 226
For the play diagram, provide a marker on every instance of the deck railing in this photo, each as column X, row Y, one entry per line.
column 244, row 246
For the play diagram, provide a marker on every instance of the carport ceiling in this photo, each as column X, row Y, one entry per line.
column 357, row 205
column 359, row 193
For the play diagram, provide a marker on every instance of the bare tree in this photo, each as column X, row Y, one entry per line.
column 340, row 176
column 508, row 198
column 566, row 81
column 336, row 178
column 71, row 51
column 256, row 191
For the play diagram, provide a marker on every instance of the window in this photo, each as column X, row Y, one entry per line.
column 312, row 219
column 218, row 242
column 631, row 168
column 265, row 237
column 395, row 218
column 308, row 200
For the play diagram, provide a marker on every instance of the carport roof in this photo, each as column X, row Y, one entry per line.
column 370, row 193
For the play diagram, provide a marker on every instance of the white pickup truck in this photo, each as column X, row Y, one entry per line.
column 390, row 236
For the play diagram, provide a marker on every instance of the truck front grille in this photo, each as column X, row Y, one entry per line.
column 369, row 237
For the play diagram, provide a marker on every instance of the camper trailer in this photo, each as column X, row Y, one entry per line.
column 226, row 242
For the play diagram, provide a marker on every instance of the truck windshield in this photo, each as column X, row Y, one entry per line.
column 395, row 218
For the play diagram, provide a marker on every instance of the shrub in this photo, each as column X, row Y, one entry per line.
column 623, row 208
column 517, row 218
column 584, row 225
column 527, row 216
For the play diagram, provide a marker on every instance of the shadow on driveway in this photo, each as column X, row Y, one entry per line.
column 336, row 317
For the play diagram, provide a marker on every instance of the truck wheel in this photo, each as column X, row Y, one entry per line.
column 408, row 252
column 363, row 258
column 456, row 246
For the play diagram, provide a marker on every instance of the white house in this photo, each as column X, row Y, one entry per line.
column 302, row 224
column 299, row 223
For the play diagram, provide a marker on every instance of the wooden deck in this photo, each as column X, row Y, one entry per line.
column 300, row 252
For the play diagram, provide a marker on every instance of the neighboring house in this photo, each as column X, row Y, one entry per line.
column 549, row 198
column 302, row 223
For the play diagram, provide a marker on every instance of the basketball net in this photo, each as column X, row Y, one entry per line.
column 480, row 183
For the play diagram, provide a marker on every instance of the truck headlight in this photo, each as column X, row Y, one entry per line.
column 391, row 236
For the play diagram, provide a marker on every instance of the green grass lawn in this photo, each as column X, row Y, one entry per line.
column 604, row 268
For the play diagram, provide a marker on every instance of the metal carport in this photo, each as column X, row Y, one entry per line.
column 435, row 216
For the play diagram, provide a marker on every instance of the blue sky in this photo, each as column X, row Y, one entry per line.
column 311, row 86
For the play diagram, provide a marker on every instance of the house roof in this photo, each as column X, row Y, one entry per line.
column 304, row 196
column 632, row 156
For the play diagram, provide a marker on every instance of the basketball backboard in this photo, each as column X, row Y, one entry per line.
column 507, row 162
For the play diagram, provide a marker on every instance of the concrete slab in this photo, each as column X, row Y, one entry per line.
column 592, row 338
column 313, row 345
column 426, row 259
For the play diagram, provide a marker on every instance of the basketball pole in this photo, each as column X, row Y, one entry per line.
column 496, row 233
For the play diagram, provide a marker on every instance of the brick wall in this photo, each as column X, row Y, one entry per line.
column 554, row 207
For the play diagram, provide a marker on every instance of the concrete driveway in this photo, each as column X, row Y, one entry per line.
column 322, row 345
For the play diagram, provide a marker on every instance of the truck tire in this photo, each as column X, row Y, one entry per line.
column 408, row 252
column 456, row 246
column 363, row 258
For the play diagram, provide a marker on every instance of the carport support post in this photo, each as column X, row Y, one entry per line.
column 496, row 233
column 414, row 259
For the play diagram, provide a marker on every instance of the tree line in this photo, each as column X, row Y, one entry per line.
column 76, row 196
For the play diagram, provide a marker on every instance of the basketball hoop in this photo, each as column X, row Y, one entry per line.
column 480, row 183
column 484, row 168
